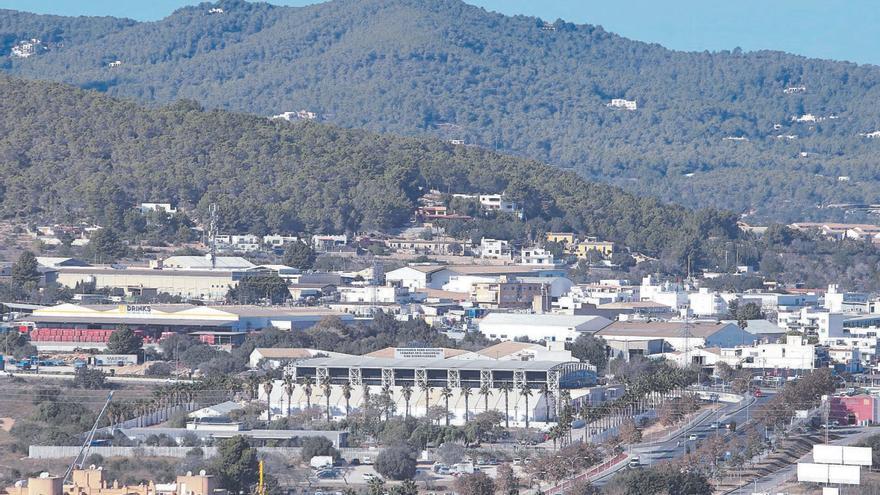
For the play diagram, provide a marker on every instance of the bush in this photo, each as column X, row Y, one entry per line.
column 316, row 446
column 397, row 463
column 159, row 369
column 474, row 484
column 89, row 378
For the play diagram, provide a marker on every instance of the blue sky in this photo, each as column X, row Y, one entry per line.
column 835, row 29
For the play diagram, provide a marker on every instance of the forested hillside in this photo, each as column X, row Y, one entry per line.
column 444, row 68
column 72, row 154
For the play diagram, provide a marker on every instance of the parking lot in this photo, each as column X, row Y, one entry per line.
column 355, row 476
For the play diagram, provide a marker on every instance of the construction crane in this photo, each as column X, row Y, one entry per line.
column 80, row 458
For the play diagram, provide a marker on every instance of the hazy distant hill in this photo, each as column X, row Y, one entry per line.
column 515, row 84
column 72, row 154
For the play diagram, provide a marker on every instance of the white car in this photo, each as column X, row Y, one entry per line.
column 370, row 477
column 693, row 438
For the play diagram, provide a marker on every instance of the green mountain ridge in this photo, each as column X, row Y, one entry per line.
column 71, row 154
column 450, row 70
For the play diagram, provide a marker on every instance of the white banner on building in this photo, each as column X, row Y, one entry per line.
column 419, row 352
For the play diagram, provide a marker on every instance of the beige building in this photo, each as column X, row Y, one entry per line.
column 209, row 285
column 583, row 248
column 561, row 237
column 510, row 294
column 91, row 482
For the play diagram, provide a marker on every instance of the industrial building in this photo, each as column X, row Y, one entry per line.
column 550, row 328
column 81, row 325
column 190, row 277
column 677, row 335
column 426, row 378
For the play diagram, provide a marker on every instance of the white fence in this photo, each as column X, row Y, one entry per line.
column 54, row 452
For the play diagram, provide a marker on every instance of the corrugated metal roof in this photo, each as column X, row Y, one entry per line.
column 566, row 321
column 427, row 363
column 123, row 320
column 661, row 329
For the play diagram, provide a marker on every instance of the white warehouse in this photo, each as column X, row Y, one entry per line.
column 550, row 328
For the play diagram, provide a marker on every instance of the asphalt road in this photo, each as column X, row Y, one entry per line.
column 676, row 445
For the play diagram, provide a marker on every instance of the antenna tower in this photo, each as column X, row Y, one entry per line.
column 212, row 233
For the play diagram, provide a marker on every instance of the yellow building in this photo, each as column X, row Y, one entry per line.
column 91, row 482
column 561, row 237
column 583, row 248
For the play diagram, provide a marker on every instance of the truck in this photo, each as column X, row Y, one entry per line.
column 463, row 468
column 321, row 461
column 113, row 359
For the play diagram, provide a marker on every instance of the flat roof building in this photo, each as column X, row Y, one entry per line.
column 85, row 324
column 426, row 378
column 547, row 327
column 679, row 335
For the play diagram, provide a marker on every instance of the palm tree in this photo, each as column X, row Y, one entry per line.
column 327, row 388
column 365, row 403
column 446, row 393
column 567, row 412
column 586, row 414
column 548, row 396
column 307, row 387
column 386, row 400
column 466, row 393
column 253, row 386
column 555, row 434
column 406, row 392
column 485, row 391
column 526, row 392
column 346, row 394
column 267, row 388
column 427, row 389
column 506, row 388
column 289, row 387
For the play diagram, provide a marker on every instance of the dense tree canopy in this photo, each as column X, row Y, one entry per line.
column 124, row 341
column 104, row 155
column 236, row 464
column 448, row 69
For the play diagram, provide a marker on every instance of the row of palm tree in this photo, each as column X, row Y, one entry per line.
column 406, row 392
column 642, row 394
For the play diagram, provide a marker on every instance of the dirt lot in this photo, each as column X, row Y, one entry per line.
column 16, row 404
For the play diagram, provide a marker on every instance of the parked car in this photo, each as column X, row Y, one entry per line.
column 370, row 477
column 693, row 438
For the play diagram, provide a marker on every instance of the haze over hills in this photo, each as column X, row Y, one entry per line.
column 765, row 132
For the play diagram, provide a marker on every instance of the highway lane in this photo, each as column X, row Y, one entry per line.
column 676, row 445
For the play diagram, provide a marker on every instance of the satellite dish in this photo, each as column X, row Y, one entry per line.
column 203, row 473
column 189, row 473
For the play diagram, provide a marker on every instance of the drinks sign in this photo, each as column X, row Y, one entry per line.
column 138, row 309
